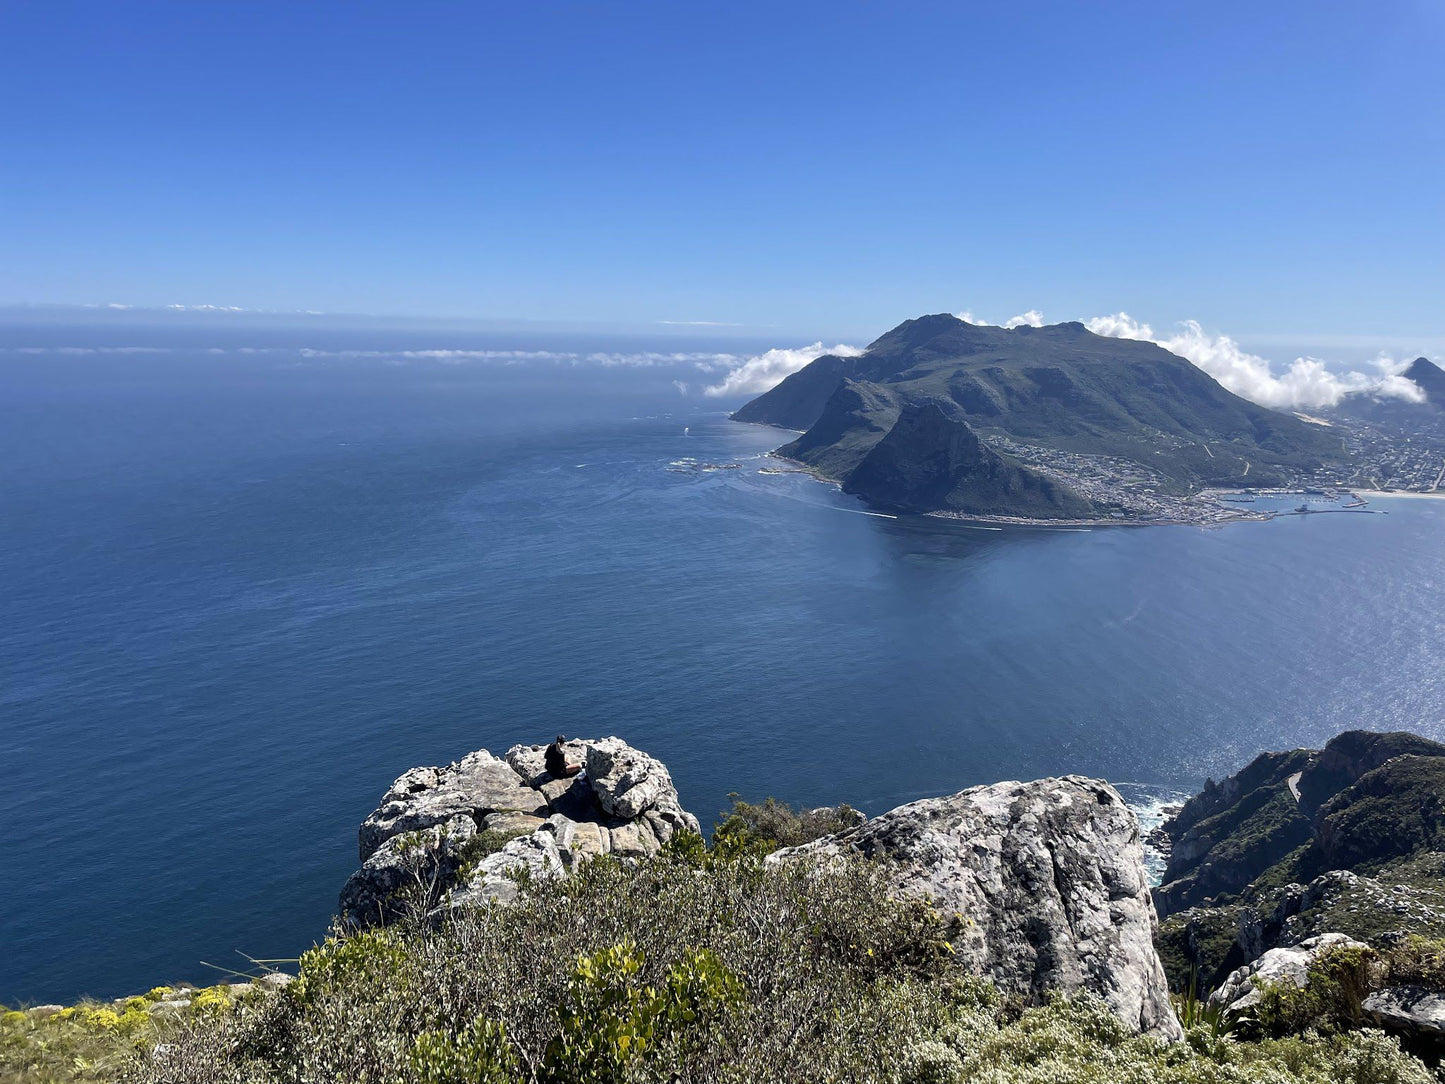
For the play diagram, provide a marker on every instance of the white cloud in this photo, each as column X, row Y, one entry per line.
column 762, row 372
column 705, row 361
column 1305, row 385
column 1032, row 318
column 78, row 351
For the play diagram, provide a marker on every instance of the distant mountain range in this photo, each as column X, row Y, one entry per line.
column 943, row 415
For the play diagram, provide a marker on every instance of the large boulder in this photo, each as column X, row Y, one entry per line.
column 1049, row 878
column 630, row 784
column 1243, row 989
column 1412, row 1012
column 461, row 835
column 495, row 877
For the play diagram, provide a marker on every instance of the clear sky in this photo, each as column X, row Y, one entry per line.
column 1271, row 169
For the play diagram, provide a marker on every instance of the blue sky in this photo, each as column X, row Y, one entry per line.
column 1273, row 170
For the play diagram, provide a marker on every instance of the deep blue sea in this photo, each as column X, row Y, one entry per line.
column 247, row 578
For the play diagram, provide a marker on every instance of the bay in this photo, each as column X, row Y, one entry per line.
column 243, row 591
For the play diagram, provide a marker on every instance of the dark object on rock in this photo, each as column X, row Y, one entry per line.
column 555, row 760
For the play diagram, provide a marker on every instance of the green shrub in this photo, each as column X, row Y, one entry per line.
column 697, row 968
column 480, row 1054
column 931, row 1062
column 1416, row 961
column 486, row 842
column 1331, row 1000
column 771, row 824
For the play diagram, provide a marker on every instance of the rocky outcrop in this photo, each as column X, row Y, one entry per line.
column 406, row 872
column 421, row 798
column 1363, row 799
column 1414, row 1013
column 1049, row 879
column 461, row 835
column 1243, row 989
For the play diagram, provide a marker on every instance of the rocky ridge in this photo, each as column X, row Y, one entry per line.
column 1304, row 850
column 1046, row 878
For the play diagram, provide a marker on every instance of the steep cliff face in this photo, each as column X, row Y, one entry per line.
column 1296, row 815
column 930, row 458
column 1350, row 838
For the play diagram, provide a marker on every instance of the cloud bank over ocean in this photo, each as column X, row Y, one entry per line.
column 757, row 374
column 1307, row 383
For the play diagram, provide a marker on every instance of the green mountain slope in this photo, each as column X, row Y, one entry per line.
column 1059, row 387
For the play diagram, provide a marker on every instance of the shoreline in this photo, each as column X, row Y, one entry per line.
column 1414, row 494
column 1215, row 494
column 997, row 522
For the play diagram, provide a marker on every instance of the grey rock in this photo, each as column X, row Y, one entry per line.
column 1414, row 1012
column 628, row 783
column 171, row 1007
column 529, row 761
column 276, row 980
column 633, row 840
column 418, row 829
column 424, row 861
column 1241, row 992
column 574, row 798
column 578, row 841
column 512, row 823
column 474, row 786
column 1049, row 878
column 495, row 877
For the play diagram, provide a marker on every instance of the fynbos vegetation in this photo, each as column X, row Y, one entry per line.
column 699, row 967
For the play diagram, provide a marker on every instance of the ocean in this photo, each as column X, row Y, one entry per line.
column 249, row 577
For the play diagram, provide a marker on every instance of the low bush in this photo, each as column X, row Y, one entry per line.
column 1415, row 961
column 1331, row 1000
column 770, row 824
column 695, row 967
